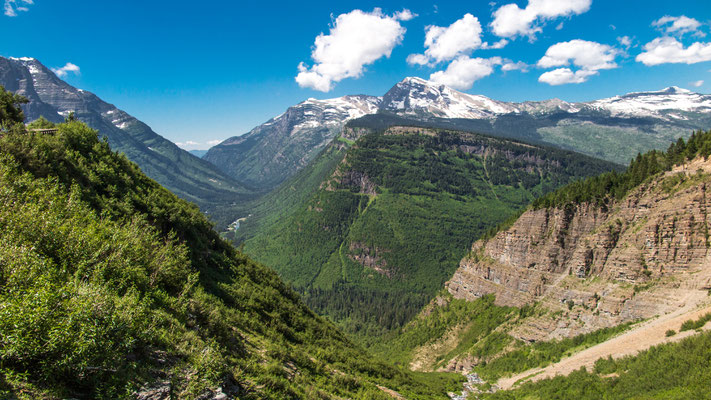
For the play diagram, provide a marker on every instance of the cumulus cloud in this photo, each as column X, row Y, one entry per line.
column 590, row 57
column 12, row 7
column 355, row 39
column 66, row 69
column 418, row 59
column 625, row 41
column 515, row 66
column 563, row 76
column 677, row 25
column 667, row 49
column 214, row 142
column 464, row 71
column 404, row 15
column 697, row 83
column 582, row 53
column 511, row 21
column 496, row 45
column 446, row 43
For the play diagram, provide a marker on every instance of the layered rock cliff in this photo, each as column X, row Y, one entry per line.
column 646, row 255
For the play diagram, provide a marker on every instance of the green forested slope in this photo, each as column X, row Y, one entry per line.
column 263, row 213
column 605, row 188
column 388, row 228
column 109, row 283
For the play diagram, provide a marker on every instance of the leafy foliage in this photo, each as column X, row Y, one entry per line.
column 10, row 111
column 109, row 283
column 699, row 323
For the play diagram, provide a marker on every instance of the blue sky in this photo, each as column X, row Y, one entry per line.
column 205, row 71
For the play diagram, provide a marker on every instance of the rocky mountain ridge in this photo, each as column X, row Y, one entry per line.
column 416, row 96
column 54, row 99
column 275, row 150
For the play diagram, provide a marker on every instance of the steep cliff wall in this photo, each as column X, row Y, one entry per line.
column 644, row 256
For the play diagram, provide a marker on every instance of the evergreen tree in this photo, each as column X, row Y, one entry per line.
column 10, row 111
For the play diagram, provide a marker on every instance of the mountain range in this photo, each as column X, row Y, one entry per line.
column 52, row 98
column 615, row 129
column 366, row 208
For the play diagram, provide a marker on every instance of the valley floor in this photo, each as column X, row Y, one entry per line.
column 642, row 337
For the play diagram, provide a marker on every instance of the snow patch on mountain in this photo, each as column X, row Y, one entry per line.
column 652, row 104
column 416, row 96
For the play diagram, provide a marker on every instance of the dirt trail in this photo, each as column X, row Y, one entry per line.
column 642, row 337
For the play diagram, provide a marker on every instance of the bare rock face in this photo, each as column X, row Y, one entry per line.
column 370, row 258
column 359, row 180
column 646, row 255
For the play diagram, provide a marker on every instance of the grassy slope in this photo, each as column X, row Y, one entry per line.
column 109, row 283
column 478, row 329
column 431, row 198
column 671, row 371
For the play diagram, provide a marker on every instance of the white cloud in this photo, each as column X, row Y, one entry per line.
column 66, row 69
column 497, row 45
column 418, row 59
column 355, row 39
column 446, row 43
column 404, row 15
column 697, row 83
column 563, row 76
column 679, row 25
column 591, row 56
column 511, row 21
column 13, row 6
column 625, row 41
column 464, row 71
column 515, row 66
column 666, row 49
column 193, row 145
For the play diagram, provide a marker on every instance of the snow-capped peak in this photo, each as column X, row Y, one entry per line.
column 313, row 113
column 418, row 96
column 22, row 59
column 673, row 90
column 654, row 102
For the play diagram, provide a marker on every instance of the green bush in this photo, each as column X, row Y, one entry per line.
column 109, row 283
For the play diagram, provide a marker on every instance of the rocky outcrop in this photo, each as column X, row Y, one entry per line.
column 369, row 258
column 359, row 181
column 599, row 267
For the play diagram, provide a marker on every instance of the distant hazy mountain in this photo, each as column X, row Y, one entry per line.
column 198, row 153
column 615, row 129
column 184, row 174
